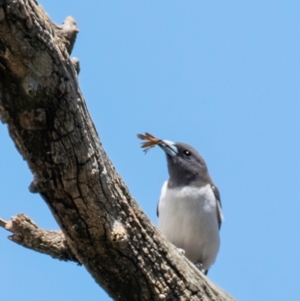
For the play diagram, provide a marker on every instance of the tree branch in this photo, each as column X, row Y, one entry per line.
column 50, row 125
column 27, row 234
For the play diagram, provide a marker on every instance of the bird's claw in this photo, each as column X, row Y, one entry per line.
column 181, row 251
column 199, row 266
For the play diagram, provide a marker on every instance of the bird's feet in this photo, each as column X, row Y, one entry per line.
column 181, row 251
column 199, row 266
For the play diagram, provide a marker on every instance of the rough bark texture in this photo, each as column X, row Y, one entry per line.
column 27, row 234
column 103, row 227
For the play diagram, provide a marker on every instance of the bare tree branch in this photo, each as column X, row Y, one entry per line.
column 27, row 234
column 47, row 118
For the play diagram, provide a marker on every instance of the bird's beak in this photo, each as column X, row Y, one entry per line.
column 169, row 148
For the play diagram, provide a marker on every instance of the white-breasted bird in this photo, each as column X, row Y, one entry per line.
column 189, row 208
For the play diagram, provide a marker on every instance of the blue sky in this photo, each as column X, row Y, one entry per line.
column 221, row 76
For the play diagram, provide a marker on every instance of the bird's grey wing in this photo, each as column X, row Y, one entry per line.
column 157, row 211
column 219, row 204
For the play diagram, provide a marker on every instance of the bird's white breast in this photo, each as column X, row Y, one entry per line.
column 188, row 219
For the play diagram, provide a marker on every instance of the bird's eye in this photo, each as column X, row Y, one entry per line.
column 187, row 153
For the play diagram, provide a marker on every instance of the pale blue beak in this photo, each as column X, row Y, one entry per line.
column 169, row 148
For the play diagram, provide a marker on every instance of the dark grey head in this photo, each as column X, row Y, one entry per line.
column 185, row 165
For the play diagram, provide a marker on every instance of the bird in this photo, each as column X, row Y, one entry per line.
column 189, row 209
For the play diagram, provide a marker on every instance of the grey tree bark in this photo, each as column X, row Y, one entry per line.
column 102, row 227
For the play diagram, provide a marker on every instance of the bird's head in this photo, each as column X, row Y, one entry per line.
column 186, row 166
